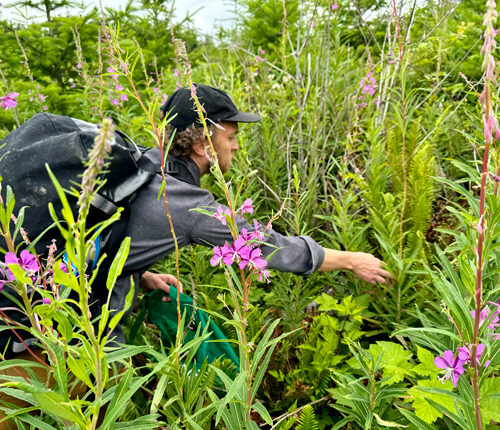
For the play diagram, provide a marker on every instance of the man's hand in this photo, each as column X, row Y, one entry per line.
column 364, row 266
column 369, row 268
column 160, row 281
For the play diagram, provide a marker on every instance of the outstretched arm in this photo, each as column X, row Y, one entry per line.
column 364, row 266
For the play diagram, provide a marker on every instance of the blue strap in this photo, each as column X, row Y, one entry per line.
column 94, row 262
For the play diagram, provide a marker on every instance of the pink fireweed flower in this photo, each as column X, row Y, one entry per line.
column 79, row 66
column 155, row 89
column 9, row 101
column 489, row 127
column 253, row 259
column 241, row 250
column 254, row 235
column 223, row 254
column 221, row 215
column 479, row 226
column 246, row 207
column 41, row 97
column 464, row 354
column 176, row 72
column 45, row 107
column 113, row 75
column 484, row 316
column 46, row 301
column 26, row 261
column 368, row 84
column 124, row 98
column 119, row 88
column 453, row 368
column 227, row 254
column 264, row 274
column 217, row 257
column 335, row 6
column 115, row 102
column 262, row 52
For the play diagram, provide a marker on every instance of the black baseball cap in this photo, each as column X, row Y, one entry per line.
column 217, row 104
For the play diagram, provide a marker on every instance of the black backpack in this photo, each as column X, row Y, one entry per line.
column 64, row 143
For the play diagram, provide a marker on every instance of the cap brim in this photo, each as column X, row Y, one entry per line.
column 243, row 117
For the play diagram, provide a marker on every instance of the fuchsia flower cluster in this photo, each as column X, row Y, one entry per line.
column 368, row 86
column 245, row 251
column 453, row 367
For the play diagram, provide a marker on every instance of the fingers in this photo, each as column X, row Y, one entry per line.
column 172, row 280
column 380, row 280
column 386, row 274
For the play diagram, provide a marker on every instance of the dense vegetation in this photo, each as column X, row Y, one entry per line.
column 378, row 135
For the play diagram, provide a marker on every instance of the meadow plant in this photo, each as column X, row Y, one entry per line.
column 54, row 297
column 245, row 252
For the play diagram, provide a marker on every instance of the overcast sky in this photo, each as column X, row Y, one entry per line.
column 212, row 12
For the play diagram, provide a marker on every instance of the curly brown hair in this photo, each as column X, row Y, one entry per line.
column 182, row 145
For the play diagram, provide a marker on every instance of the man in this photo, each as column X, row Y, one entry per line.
column 189, row 158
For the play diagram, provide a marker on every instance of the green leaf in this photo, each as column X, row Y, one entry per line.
column 63, row 278
column 64, row 327
column 20, row 274
column 123, row 392
column 160, row 191
column 261, row 409
column 423, row 409
column 53, row 404
column 77, row 366
column 426, row 366
column 159, row 391
column 394, row 362
column 418, row 422
column 489, row 390
column 327, row 302
column 66, row 210
column 128, row 302
column 141, row 423
column 118, row 262
column 385, row 423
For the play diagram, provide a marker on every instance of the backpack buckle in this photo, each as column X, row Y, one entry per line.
column 171, row 168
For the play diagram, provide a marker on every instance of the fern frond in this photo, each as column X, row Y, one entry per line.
column 307, row 420
column 422, row 187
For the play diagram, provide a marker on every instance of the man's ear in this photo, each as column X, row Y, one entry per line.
column 199, row 148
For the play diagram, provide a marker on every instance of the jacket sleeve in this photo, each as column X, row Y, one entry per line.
column 301, row 255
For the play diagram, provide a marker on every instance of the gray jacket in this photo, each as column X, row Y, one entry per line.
column 151, row 238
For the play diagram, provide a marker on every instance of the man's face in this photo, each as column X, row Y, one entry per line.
column 225, row 144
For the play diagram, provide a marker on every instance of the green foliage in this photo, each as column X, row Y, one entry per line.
column 368, row 400
column 263, row 22
column 425, row 410
column 337, row 170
